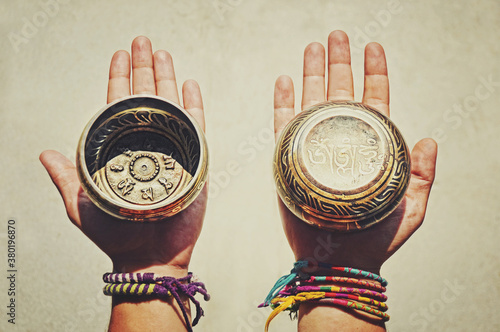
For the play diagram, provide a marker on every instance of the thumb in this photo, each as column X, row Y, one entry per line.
column 423, row 159
column 423, row 170
column 63, row 173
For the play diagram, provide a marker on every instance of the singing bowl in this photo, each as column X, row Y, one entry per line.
column 341, row 166
column 142, row 158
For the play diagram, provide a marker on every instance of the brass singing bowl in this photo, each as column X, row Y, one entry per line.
column 142, row 158
column 341, row 166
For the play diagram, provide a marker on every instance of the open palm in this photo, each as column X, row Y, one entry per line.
column 164, row 246
column 370, row 248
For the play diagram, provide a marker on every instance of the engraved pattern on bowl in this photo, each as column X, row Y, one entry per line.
column 341, row 166
column 142, row 158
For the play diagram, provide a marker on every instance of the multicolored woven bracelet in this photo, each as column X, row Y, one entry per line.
column 326, row 295
column 351, row 271
column 356, row 306
column 343, row 280
column 297, row 272
column 138, row 284
column 295, row 288
column 292, row 290
column 302, row 297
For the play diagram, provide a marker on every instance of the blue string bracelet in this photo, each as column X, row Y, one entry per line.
column 352, row 271
column 283, row 281
column 152, row 284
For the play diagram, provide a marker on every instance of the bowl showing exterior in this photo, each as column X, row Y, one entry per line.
column 142, row 158
column 341, row 166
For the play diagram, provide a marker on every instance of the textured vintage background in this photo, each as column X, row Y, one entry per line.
column 445, row 83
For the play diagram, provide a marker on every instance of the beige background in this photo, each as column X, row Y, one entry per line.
column 441, row 55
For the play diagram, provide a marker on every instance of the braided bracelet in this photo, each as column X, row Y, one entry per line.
column 327, row 295
column 297, row 272
column 129, row 288
column 291, row 290
column 351, row 271
column 290, row 303
column 295, row 288
column 345, row 280
column 153, row 284
column 379, row 303
column 356, row 306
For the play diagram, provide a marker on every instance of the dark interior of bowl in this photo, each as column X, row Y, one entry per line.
column 142, row 124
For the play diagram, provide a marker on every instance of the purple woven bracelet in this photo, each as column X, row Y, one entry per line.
column 141, row 283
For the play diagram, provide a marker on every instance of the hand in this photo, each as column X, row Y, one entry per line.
column 165, row 246
column 370, row 248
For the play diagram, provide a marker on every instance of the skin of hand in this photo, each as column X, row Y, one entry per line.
column 163, row 247
column 370, row 248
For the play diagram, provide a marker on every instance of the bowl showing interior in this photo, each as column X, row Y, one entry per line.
column 142, row 158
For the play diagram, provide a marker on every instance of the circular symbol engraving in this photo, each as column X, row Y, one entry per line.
column 343, row 153
column 145, row 177
column 144, row 167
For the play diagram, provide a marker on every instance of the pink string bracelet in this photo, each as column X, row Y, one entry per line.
column 140, row 284
column 350, row 270
column 346, row 303
column 345, row 280
column 292, row 290
column 354, row 305
column 380, row 304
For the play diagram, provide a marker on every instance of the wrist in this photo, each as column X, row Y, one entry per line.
column 362, row 280
column 362, row 262
column 315, row 267
column 317, row 317
column 148, row 291
column 168, row 270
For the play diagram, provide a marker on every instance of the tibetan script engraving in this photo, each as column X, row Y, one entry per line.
column 346, row 159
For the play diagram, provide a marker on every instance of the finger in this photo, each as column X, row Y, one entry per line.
column 284, row 100
column 313, row 91
column 376, row 92
column 143, row 80
column 119, row 76
column 423, row 170
column 191, row 98
column 166, row 85
column 340, row 82
column 63, row 174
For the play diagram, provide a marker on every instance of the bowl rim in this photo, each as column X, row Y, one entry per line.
column 194, row 185
column 300, row 207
